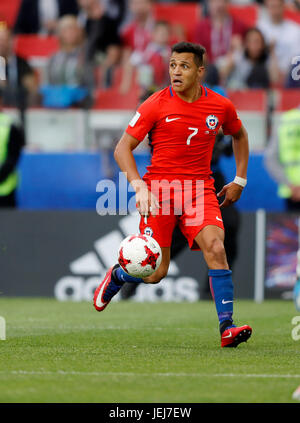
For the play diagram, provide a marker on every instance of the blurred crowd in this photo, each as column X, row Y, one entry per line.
column 102, row 43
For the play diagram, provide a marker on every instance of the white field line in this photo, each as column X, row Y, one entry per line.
column 89, row 327
column 131, row 374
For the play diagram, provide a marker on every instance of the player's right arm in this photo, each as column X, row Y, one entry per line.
column 139, row 126
column 145, row 200
column 233, row 126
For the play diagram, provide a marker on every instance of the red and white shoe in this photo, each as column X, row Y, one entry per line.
column 105, row 289
column 232, row 337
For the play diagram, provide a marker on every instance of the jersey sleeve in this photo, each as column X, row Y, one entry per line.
column 143, row 120
column 232, row 123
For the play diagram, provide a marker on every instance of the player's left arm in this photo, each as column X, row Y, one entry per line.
column 234, row 189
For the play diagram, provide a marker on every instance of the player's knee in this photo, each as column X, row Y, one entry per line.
column 216, row 249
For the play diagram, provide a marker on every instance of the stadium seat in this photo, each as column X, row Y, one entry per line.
column 185, row 14
column 35, row 46
column 111, row 98
column 252, row 109
column 254, row 100
column 246, row 13
column 9, row 10
column 287, row 99
column 36, row 50
column 292, row 15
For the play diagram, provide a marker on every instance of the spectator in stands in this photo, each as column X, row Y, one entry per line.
column 219, row 31
column 294, row 5
column 103, row 41
column 212, row 77
column 118, row 11
column 249, row 65
column 283, row 158
column 12, row 140
column 136, row 36
column 282, row 35
column 41, row 16
column 20, row 89
column 153, row 65
column 68, row 67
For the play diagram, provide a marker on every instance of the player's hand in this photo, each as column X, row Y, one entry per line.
column 146, row 202
column 232, row 192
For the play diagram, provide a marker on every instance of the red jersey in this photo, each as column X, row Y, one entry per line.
column 182, row 134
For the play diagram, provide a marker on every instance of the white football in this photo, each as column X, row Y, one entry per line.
column 139, row 255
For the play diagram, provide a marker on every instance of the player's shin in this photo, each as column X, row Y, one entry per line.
column 111, row 285
column 222, row 291
column 120, row 277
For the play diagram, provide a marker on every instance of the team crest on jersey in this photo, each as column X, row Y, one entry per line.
column 212, row 121
column 148, row 231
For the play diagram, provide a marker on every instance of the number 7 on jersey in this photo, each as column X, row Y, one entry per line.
column 195, row 132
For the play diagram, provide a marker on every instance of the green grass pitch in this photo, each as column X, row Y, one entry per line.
column 133, row 352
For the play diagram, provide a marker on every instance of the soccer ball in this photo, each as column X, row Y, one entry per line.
column 139, row 255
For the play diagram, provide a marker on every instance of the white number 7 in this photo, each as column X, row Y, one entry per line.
column 195, row 131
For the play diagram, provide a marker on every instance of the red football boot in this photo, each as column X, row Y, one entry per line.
column 232, row 337
column 105, row 291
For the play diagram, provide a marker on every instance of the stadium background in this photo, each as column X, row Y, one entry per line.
column 69, row 150
column 55, row 246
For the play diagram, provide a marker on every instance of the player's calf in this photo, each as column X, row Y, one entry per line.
column 215, row 255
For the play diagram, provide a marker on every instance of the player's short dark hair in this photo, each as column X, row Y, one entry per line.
column 186, row 47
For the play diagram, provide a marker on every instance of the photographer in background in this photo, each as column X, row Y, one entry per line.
column 41, row 16
column 20, row 88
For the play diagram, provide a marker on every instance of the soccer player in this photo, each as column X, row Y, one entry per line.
column 182, row 121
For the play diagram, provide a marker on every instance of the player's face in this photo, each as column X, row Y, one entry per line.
column 184, row 73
